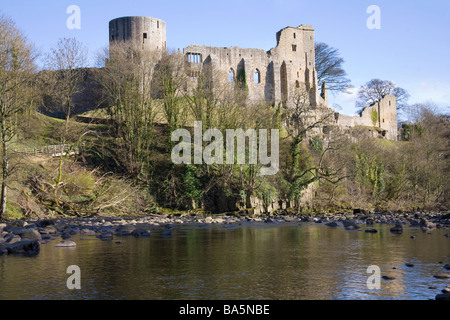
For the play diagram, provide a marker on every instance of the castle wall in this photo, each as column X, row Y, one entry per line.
column 270, row 76
column 386, row 111
column 290, row 64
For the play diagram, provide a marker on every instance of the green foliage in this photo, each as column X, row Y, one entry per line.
column 374, row 116
column 241, row 79
column 317, row 144
column 370, row 172
column 267, row 192
column 191, row 183
column 79, row 183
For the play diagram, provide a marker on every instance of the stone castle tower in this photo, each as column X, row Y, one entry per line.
column 146, row 31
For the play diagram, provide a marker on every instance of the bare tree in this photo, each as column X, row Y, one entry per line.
column 169, row 83
column 66, row 62
column 375, row 90
column 127, row 79
column 329, row 68
column 16, row 71
column 301, row 120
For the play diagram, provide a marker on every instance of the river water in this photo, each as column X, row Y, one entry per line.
column 251, row 260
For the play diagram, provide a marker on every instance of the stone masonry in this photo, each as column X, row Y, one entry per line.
column 272, row 77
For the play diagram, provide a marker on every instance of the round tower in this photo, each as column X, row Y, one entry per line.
column 147, row 31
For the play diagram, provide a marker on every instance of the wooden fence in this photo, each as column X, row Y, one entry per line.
column 53, row 150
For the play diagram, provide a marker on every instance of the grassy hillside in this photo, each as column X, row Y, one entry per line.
column 34, row 191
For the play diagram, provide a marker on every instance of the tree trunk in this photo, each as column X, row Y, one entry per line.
column 4, row 169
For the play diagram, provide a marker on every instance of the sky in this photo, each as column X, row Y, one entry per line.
column 411, row 47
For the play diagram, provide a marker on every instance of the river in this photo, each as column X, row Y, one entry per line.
column 248, row 260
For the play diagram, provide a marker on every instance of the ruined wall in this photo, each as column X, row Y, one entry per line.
column 270, row 76
column 383, row 112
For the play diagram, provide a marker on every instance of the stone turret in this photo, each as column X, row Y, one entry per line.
column 146, row 31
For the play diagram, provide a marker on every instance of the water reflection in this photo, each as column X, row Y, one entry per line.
column 248, row 261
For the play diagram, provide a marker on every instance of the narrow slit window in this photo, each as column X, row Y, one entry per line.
column 294, row 47
column 145, row 35
column 231, row 75
column 257, row 76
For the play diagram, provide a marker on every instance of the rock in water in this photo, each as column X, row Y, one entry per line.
column 397, row 229
column 28, row 247
column 371, row 230
column 138, row 233
column 48, row 229
column 443, row 296
column 31, row 234
column 106, row 235
column 331, row 224
column 443, row 275
column 125, row 230
column 66, row 244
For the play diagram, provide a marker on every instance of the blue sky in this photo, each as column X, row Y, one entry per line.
column 412, row 47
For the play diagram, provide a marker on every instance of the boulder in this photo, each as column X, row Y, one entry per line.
column 331, row 224
column 138, row 233
column 31, row 234
column 87, row 231
column 443, row 275
column 371, row 230
column 350, row 224
column 11, row 238
column 44, row 223
column 443, row 296
column 49, row 229
column 398, row 228
column 27, row 247
column 106, row 235
column 66, row 244
column 125, row 230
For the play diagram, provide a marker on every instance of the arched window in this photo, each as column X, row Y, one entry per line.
column 231, row 75
column 257, row 76
column 297, row 84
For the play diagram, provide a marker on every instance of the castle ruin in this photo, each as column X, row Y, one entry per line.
column 271, row 77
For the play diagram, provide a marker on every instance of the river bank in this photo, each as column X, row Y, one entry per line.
column 26, row 236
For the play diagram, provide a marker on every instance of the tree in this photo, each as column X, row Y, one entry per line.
column 127, row 79
column 375, row 90
column 301, row 120
column 17, row 69
column 169, row 81
column 66, row 62
column 329, row 68
column 63, row 80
